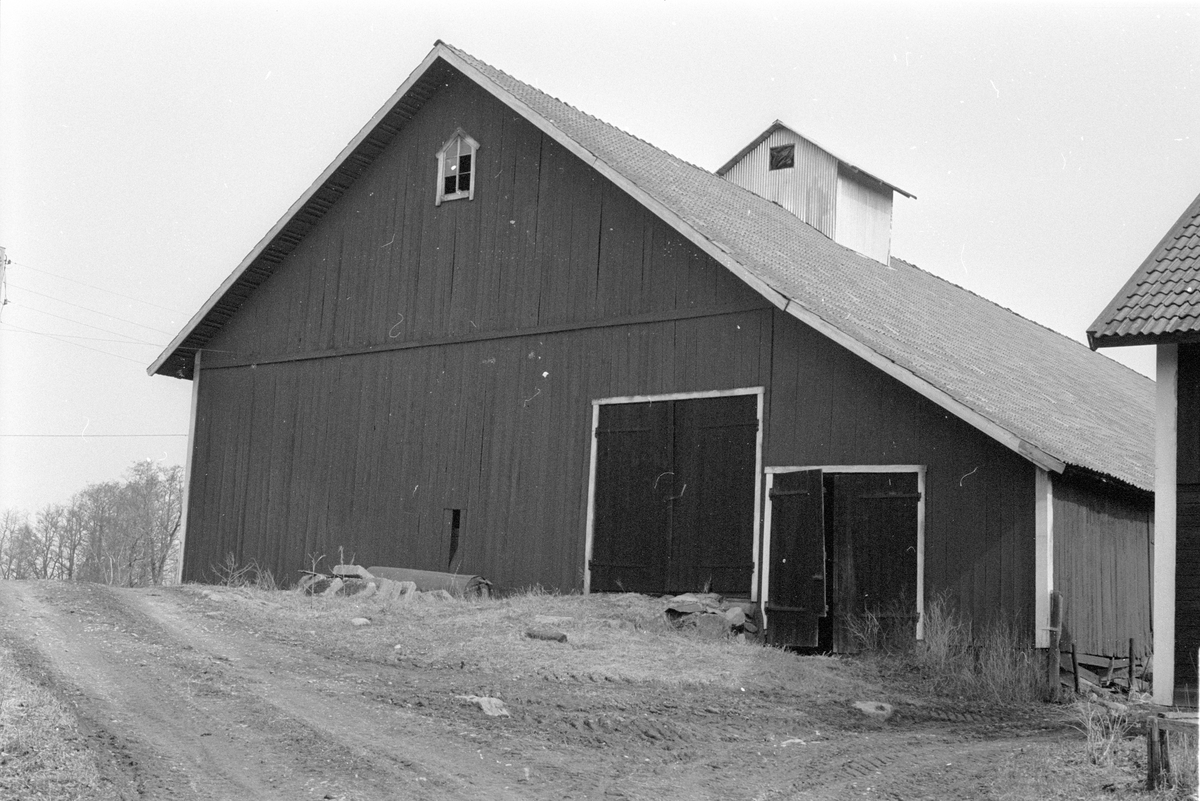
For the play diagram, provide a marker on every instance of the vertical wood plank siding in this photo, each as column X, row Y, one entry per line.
column 476, row 409
column 1102, row 543
column 831, row 408
column 1187, row 517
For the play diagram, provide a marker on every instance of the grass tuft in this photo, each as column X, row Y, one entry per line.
column 1104, row 728
column 231, row 573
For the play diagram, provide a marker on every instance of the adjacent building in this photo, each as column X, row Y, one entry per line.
column 1160, row 306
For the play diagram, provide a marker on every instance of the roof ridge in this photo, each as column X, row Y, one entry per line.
column 589, row 115
column 1016, row 314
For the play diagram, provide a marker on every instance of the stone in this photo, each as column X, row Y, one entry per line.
column 368, row 590
column 401, row 591
column 353, row 586
column 352, row 571
column 712, row 625
column 436, row 595
column 307, row 580
column 875, row 709
column 360, row 621
column 736, row 616
column 492, row 707
column 334, row 586
column 546, row 634
column 319, row 585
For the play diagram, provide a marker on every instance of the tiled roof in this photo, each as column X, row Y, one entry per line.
column 1044, row 395
column 1161, row 301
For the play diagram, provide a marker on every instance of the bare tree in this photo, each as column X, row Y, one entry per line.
column 14, row 533
column 114, row 532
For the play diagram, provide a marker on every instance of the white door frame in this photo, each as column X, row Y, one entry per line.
column 758, row 470
column 860, row 468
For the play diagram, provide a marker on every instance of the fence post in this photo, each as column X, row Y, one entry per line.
column 1053, row 658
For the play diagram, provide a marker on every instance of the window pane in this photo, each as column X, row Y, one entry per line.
column 464, row 163
column 464, row 182
column 783, row 157
column 448, row 185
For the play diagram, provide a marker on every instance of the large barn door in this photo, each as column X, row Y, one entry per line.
column 631, row 544
column 873, row 543
column 674, row 497
column 796, row 587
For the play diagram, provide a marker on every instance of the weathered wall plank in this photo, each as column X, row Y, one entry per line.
column 1102, row 565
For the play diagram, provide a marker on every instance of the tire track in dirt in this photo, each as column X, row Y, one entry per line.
column 183, row 720
column 201, row 694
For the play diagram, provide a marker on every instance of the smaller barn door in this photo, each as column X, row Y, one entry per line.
column 631, row 549
column 796, row 593
column 873, row 552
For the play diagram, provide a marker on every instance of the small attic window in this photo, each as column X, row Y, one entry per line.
column 783, row 157
column 456, row 168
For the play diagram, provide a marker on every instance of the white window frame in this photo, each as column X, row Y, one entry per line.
column 860, row 468
column 447, row 167
column 756, row 534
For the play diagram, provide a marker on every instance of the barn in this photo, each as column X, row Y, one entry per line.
column 501, row 337
column 1157, row 306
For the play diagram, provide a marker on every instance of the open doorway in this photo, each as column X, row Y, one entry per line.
column 841, row 542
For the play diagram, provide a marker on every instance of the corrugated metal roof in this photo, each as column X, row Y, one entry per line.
column 1039, row 392
column 1161, row 300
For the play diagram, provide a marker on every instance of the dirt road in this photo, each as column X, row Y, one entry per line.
column 181, row 697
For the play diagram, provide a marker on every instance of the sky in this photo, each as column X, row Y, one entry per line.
column 146, row 147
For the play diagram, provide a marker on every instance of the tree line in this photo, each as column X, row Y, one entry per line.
column 124, row 532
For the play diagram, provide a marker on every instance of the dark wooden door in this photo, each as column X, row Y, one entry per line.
column 674, row 501
column 631, row 539
column 796, row 593
column 873, row 542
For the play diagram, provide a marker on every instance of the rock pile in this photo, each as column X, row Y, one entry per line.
column 348, row 580
column 711, row 614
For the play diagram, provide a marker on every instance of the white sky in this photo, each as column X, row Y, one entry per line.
column 145, row 147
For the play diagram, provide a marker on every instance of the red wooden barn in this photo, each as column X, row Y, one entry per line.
column 1159, row 306
column 500, row 336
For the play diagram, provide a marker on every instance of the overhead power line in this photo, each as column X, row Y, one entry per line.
column 89, row 436
column 93, row 286
column 16, row 329
column 85, row 325
column 79, row 345
column 88, row 309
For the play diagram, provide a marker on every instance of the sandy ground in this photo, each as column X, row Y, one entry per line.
column 180, row 697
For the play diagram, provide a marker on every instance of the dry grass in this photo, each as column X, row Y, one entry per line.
column 610, row 638
column 1183, row 780
column 42, row 754
column 231, row 573
column 993, row 663
column 1104, row 728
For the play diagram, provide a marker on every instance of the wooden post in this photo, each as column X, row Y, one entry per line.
column 1075, row 667
column 1054, row 658
column 1129, row 684
column 1164, row 754
column 1152, row 755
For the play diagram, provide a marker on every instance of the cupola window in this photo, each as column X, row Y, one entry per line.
column 456, row 168
column 783, row 157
